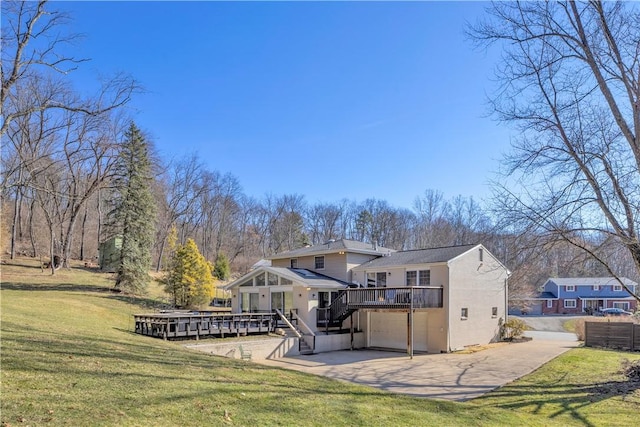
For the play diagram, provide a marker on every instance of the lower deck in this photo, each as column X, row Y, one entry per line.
column 203, row 324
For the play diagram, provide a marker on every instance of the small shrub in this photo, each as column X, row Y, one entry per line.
column 579, row 329
column 513, row 329
column 631, row 370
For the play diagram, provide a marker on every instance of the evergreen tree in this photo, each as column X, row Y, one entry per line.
column 222, row 269
column 135, row 212
column 189, row 278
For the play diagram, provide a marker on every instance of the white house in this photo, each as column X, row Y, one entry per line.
column 430, row 300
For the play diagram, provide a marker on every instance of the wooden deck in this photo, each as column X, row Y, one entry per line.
column 202, row 324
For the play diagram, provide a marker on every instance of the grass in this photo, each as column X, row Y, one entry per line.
column 69, row 357
column 583, row 386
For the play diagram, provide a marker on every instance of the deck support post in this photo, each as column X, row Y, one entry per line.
column 351, row 329
column 410, row 329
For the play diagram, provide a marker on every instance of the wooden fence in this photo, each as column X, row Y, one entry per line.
column 621, row 335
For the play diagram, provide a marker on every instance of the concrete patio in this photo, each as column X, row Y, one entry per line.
column 452, row 376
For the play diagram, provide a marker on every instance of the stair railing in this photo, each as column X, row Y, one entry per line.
column 289, row 324
column 309, row 333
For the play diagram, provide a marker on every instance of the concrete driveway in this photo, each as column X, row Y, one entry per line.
column 451, row 376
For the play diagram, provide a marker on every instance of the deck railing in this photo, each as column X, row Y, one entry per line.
column 403, row 298
column 199, row 324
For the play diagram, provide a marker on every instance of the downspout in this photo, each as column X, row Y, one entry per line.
column 506, row 298
column 448, row 308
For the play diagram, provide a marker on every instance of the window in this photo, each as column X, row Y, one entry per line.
column 424, row 277
column 319, row 262
column 481, row 254
column 284, row 281
column 569, row 303
column 247, row 283
column 378, row 279
column 617, row 288
column 494, row 311
column 464, row 313
column 325, row 298
column 549, row 303
column 596, row 287
column 381, row 279
column 371, row 280
column 272, row 279
column 570, row 288
column 260, row 279
column 622, row 305
column 294, row 262
column 249, row 302
column 412, row 277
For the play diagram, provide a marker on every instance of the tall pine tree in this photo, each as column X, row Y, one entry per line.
column 134, row 213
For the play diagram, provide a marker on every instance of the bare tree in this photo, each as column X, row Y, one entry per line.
column 33, row 40
column 570, row 83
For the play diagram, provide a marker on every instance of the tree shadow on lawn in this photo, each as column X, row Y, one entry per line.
column 64, row 287
column 77, row 356
column 143, row 302
column 568, row 398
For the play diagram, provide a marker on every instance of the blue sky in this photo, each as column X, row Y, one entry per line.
column 331, row 100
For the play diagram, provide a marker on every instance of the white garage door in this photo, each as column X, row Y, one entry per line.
column 389, row 330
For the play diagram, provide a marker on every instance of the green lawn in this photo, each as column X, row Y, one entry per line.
column 583, row 386
column 69, row 357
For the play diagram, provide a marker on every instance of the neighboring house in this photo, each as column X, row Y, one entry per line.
column 109, row 254
column 432, row 300
column 584, row 295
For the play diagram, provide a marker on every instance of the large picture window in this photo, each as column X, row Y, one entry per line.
column 569, row 303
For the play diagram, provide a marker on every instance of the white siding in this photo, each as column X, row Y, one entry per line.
column 389, row 330
column 477, row 286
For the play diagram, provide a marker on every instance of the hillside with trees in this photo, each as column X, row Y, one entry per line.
column 62, row 172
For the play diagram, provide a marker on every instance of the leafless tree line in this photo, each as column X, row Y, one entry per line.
column 570, row 82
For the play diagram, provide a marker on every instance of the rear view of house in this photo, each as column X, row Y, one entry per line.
column 431, row 300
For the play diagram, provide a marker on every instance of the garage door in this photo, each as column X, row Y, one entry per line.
column 535, row 308
column 389, row 330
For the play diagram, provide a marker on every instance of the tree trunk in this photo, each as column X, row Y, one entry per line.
column 159, row 265
column 16, row 218
column 32, row 236
column 82, row 234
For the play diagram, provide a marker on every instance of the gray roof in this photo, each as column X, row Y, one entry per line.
column 591, row 281
column 333, row 247
column 299, row 276
column 545, row 295
column 418, row 256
